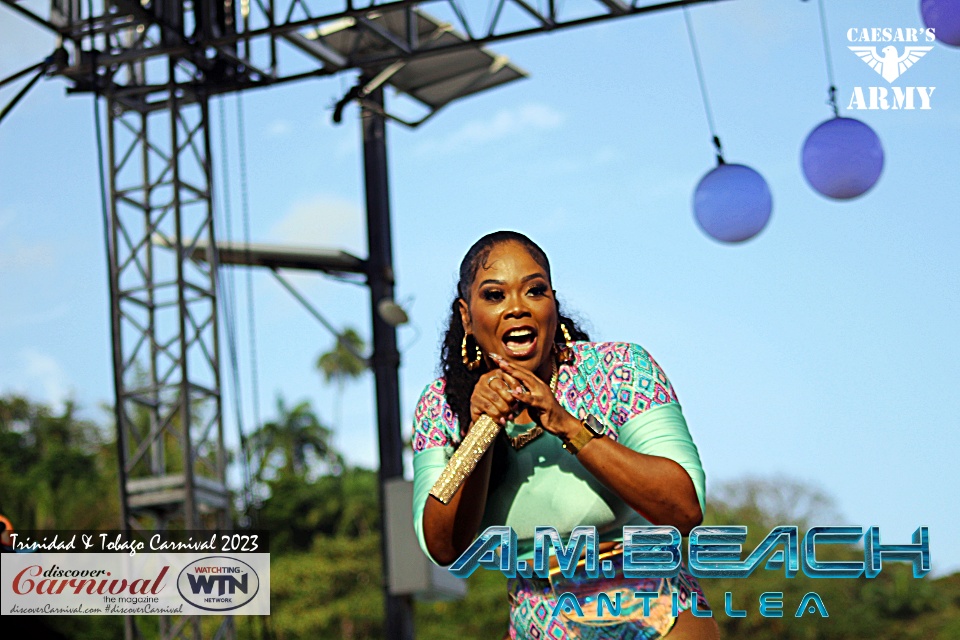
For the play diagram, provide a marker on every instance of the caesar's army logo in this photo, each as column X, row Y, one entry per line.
column 891, row 62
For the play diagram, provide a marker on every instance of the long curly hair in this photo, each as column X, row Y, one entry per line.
column 460, row 381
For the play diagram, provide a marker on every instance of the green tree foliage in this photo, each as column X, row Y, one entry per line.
column 484, row 613
column 285, row 445
column 341, row 364
column 332, row 591
column 60, row 472
column 56, row 470
column 299, row 512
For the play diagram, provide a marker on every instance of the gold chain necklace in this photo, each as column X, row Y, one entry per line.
column 525, row 438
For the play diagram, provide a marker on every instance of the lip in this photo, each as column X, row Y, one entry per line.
column 527, row 350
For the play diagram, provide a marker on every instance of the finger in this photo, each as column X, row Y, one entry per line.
column 528, row 398
column 495, row 405
column 538, row 398
column 499, row 414
column 526, row 378
column 502, row 383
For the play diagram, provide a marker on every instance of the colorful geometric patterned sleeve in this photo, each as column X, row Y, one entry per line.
column 435, row 434
column 434, row 423
column 657, row 426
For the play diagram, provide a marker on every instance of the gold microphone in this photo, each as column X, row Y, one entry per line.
column 481, row 435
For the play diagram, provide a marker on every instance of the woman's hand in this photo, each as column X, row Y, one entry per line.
column 539, row 400
column 492, row 396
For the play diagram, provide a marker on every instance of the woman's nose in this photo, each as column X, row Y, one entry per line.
column 516, row 307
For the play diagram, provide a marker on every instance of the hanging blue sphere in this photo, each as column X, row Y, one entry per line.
column 842, row 158
column 732, row 203
column 944, row 17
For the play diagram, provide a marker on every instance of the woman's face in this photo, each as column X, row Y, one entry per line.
column 512, row 310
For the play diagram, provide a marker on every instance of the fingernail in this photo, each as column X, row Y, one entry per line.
column 495, row 357
column 503, row 421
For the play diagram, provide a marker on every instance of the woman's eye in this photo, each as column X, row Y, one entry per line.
column 492, row 295
column 538, row 290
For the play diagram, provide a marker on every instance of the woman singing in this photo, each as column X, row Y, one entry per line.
column 593, row 435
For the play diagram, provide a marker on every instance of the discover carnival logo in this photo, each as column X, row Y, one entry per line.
column 890, row 63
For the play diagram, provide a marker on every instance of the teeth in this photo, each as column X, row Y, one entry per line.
column 519, row 333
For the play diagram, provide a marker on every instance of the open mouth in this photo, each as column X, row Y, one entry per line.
column 520, row 342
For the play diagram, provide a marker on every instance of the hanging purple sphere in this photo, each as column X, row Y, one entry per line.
column 842, row 158
column 944, row 17
column 732, row 203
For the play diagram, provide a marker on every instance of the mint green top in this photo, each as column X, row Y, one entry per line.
column 543, row 483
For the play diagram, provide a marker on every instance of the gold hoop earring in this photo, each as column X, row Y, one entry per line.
column 565, row 350
column 471, row 365
column 566, row 334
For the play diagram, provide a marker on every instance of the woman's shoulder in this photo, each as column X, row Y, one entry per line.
column 434, row 423
column 432, row 399
column 619, row 352
column 624, row 364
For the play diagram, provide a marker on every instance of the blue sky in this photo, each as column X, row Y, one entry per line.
column 825, row 349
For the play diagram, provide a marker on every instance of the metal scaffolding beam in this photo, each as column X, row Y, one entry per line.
column 164, row 320
column 266, row 45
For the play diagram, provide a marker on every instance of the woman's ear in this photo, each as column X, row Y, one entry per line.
column 464, row 315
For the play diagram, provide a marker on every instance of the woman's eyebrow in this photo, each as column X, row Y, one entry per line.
column 532, row 276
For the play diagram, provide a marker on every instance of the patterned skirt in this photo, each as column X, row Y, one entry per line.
column 534, row 613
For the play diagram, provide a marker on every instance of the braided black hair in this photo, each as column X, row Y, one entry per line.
column 460, row 381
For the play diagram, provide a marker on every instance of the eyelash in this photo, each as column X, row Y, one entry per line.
column 495, row 295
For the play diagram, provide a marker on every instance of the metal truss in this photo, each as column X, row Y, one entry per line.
column 260, row 43
column 164, row 313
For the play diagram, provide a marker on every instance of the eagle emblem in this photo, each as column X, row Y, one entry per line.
column 891, row 64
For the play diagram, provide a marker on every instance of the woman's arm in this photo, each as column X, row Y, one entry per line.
column 448, row 529
column 657, row 487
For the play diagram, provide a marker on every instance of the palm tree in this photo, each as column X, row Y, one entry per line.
column 293, row 435
column 341, row 364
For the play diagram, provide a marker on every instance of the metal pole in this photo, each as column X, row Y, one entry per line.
column 385, row 361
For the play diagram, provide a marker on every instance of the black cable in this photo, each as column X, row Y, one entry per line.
column 703, row 86
column 17, row 98
column 245, row 206
column 828, row 59
column 23, row 72
column 56, row 60
column 228, row 298
column 103, row 180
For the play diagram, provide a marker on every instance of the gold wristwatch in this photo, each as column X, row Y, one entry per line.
column 590, row 428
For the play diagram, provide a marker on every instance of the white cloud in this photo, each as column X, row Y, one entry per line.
column 505, row 123
column 607, row 154
column 279, row 128
column 8, row 321
column 15, row 255
column 43, row 373
column 27, row 257
column 324, row 221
